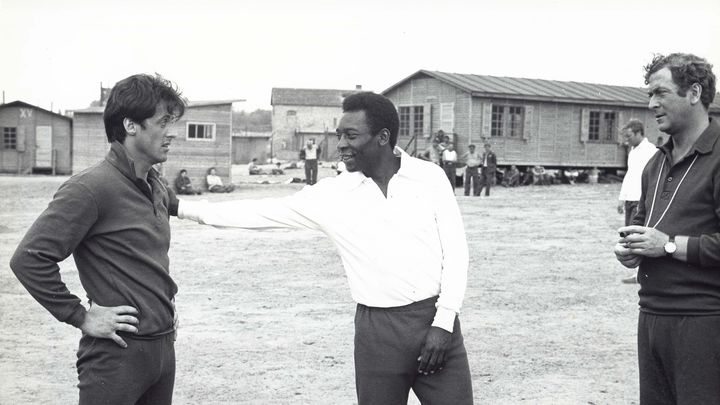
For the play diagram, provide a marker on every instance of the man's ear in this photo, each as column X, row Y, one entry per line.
column 695, row 92
column 129, row 125
column 383, row 136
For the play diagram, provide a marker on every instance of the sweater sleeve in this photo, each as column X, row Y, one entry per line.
column 51, row 239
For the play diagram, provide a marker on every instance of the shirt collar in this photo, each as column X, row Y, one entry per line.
column 703, row 145
column 118, row 157
column 407, row 164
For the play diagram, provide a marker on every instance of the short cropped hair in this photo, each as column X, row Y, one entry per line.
column 686, row 69
column 635, row 126
column 137, row 97
column 380, row 112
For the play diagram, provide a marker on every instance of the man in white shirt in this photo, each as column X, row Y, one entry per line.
column 472, row 160
column 640, row 153
column 449, row 163
column 401, row 239
column 310, row 153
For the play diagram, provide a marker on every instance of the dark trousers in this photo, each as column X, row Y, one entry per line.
column 387, row 346
column 679, row 359
column 472, row 177
column 311, row 171
column 487, row 180
column 631, row 208
column 449, row 168
column 141, row 374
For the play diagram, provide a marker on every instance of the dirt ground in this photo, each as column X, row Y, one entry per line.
column 267, row 318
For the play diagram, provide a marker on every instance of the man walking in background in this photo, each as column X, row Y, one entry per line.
column 641, row 150
column 489, row 166
column 113, row 219
column 472, row 162
column 675, row 239
column 310, row 153
column 449, row 163
column 400, row 235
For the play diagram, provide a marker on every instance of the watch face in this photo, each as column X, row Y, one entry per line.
column 670, row 248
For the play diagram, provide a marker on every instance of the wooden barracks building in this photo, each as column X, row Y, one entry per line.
column 527, row 121
column 203, row 140
column 34, row 140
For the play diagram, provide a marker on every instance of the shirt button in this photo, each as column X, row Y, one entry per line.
column 669, row 179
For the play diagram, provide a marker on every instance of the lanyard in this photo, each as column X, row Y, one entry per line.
column 657, row 184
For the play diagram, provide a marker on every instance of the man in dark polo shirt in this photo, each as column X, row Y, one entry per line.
column 675, row 239
column 113, row 219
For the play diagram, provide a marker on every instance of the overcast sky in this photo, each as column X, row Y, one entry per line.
column 60, row 51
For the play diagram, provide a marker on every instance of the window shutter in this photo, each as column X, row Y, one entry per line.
column 486, row 119
column 20, row 139
column 427, row 120
column 619, row 124
column 447, row 117
column 527, row 122
column 584, row 125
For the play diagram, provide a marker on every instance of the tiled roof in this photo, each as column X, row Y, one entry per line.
column 309, row 97
column 538, row 89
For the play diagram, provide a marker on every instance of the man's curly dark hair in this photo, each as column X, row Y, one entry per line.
column 686, row 69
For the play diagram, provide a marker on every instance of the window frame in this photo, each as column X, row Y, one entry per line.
column 6, row 145
column 599, row 123
column 507, row 121
column 412, row 120
column 212, row 125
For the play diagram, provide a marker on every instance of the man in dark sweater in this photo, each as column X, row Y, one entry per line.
column 113, row 218
column 675, row 239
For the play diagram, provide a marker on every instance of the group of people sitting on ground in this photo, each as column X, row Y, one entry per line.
column 255, row 169
column 183, row 184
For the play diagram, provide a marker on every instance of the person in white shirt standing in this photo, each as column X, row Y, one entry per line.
column 401, row 239
column 310, row 153
column 449, row 163
column 640, row 153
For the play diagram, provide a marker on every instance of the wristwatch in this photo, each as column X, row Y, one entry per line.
column 670, row 247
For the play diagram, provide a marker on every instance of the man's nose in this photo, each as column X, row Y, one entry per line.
column 652, row 103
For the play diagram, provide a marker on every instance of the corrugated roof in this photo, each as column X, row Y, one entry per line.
column 310, row 97
column 18, row 103
column 539, row 89
column 206, row 103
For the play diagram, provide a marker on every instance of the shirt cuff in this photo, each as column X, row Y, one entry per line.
column 188, row 210
column 445, row 319
column 78, row 317
column 693, row 250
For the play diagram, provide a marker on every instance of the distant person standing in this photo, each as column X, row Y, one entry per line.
column 310, row 154
column 114, row 219
column 449, row 160
column 675, row 239
column 433, row 153
column 472, row 177
column 640, row 153
column 489, row 166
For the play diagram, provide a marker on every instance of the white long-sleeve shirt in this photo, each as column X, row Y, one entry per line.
column 637, row 159
column 396, row 250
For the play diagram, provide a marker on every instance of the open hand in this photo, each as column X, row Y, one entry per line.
column 104, row 322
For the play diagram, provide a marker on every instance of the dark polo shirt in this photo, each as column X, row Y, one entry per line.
column 117, row 229
column 669, row 286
